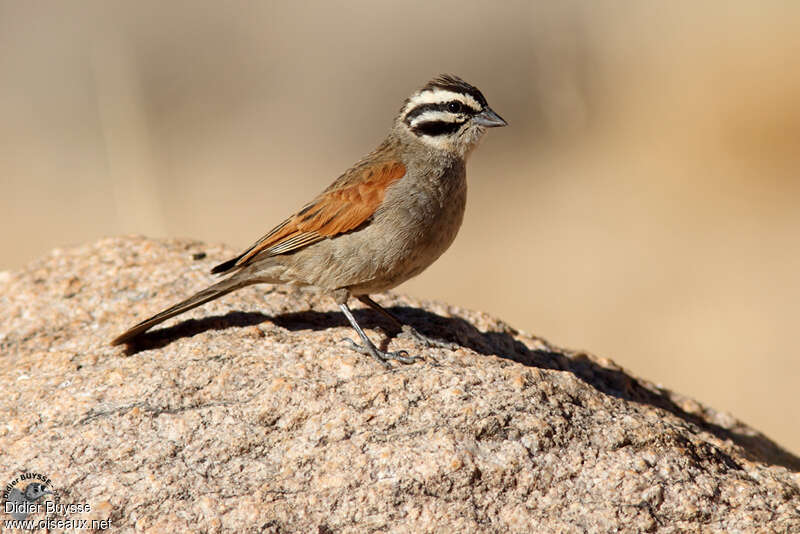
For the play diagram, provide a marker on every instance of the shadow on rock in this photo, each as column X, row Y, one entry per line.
column 155, row 339
column 612, row 382
column 609, row 381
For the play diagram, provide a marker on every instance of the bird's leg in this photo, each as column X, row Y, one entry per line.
column 369, row 348
column 383, row 311
column 405, row 329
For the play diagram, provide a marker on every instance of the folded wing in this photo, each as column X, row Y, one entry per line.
column 343, row 207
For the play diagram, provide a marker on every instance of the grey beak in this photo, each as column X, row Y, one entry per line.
column 489, row 118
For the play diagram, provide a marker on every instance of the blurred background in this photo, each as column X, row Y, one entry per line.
column 642, row 204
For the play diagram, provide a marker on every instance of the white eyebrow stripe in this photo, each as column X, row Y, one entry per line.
column 439, row 96
column 435, row 115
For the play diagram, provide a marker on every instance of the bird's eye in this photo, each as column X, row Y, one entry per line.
column 454, row 107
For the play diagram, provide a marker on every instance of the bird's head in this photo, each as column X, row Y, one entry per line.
column 448, row 114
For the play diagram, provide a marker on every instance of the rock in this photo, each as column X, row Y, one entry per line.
column 249, row 414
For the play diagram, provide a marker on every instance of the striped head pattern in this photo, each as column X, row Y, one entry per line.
column 448, row 114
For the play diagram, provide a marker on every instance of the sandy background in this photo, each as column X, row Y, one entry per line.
column 643, row 203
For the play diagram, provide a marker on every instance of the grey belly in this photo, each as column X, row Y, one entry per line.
column 398, row 244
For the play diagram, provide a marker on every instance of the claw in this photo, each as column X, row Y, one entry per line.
column 353, row 345
column 402, row 356
column 369, row 348
column 382, row 356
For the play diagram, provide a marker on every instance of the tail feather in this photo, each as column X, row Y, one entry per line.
column 210, row 293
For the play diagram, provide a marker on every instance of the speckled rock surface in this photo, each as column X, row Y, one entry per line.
column 249, row 414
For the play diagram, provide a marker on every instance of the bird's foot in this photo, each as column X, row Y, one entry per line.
column 411, row 333
column 382, row 355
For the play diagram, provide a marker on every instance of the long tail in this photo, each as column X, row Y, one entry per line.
column 210, row 293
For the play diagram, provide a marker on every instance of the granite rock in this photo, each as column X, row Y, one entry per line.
column 250, row 414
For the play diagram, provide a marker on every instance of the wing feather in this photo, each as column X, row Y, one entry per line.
column 343, row 207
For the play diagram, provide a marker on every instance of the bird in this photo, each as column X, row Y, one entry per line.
column 383, row 221
column 22, row 503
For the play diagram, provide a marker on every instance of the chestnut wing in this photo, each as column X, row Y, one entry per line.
column 343, row 207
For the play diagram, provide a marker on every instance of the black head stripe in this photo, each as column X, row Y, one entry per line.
column 441, row 106
column 422, row 108
column 434, row 128
column 457, row 85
